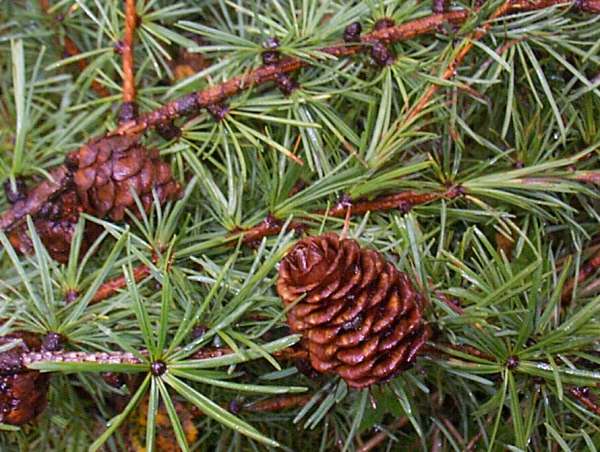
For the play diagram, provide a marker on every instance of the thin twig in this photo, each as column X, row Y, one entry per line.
column 111, row 287
column 279, row 403
column 453, row 431
column 59, row 179
column 380, row 437
column 473, row 442
column 583, row 396
column 590, row 289
column 268, row 73
column 436, row 349
column 404, row 200
column 451, row 70
column 271, row 226
column 27, row 359
column 265, row 74
column 128, row 109
column 436, row 440
column 591, row 177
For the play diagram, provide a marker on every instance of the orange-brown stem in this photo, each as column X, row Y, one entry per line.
column 271, row 226
column 509, row 6
column 268, row 73
column 131, row 19
column 128, row 109
column 404, row 200
column 279, row 403
column 586, row 399
column 291, row 353
column 466, row 349
column 591, row 177
column 60, row 178
column 453, row 431
column 111, row 287
column 117, row 357
column 375, row 441
column 219, row 93
column 473, row 442
column 450, row 71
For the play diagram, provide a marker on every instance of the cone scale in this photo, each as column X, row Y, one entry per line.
column 23, row 393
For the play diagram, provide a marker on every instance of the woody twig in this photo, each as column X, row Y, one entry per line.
column 450, row 71
column 128, row 110
column 271, row 226
column 269, row 73
column 109, row 288
column 11, row 364
column 375, row 441
column 279, row 403
column 403, row 201
column 583, row 396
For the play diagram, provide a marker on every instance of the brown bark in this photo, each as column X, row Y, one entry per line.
column 131, row 19
column 128, row 110
column 450, row 71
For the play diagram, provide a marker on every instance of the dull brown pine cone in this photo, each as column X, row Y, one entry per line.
column 360, row 317
column 23, row 393
column 55, row 224
column 107, row 170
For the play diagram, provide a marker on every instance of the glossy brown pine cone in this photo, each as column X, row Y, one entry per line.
column 360, row 317
column 109, row 169
column 23, row 393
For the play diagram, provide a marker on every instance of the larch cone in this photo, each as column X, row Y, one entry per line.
column 23, row 393
column 105, row 175
column 360, row 317
column 108, row 170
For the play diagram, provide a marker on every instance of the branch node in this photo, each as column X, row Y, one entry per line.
column 53, row 342
column 218, row 111
column 384, row 22
column 128, row 112
column 381, row 54
column 352, row 32
column 168, row 130
column 16, row 193
column 271, row 55
column 118, row 47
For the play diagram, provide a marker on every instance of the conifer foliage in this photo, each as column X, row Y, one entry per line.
column 299, row 224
